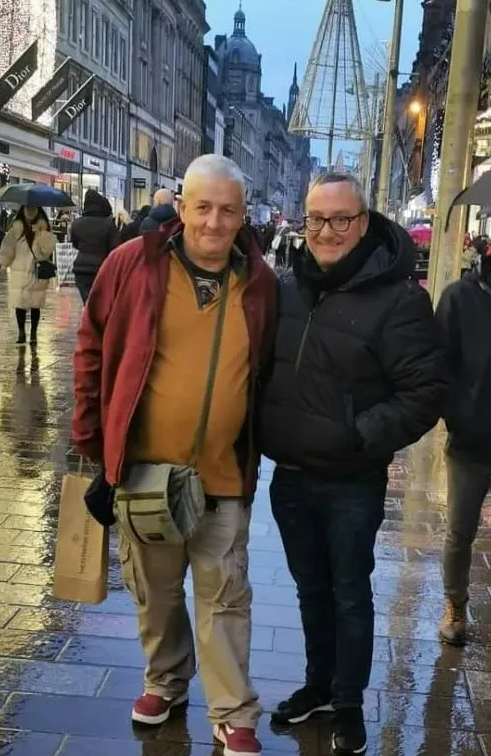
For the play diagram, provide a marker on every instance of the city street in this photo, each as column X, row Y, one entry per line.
column 68, row 674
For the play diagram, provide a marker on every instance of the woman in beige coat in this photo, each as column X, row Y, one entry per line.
column 28, row 240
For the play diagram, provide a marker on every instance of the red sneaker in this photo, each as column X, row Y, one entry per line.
column 240, row 741
column 154, row 710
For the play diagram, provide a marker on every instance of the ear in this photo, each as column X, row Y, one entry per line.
column 365, row 221
column 181, row 208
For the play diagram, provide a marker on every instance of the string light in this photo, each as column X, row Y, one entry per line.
column 21, row 22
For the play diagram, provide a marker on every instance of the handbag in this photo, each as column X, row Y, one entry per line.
column 44, row 270
column 166, row 503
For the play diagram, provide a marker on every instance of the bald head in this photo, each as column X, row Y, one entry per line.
column 163, row 197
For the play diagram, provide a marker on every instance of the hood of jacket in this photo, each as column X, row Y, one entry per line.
column 96, row 205
column 390, row 259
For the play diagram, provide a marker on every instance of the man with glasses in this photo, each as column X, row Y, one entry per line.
column 357, row 375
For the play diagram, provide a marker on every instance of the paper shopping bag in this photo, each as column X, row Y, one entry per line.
column 82, row 547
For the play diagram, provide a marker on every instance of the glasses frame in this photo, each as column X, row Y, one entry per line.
column 348, row 218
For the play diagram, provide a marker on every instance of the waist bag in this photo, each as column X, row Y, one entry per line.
column 165, row 503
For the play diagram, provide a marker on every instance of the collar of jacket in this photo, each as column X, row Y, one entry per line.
column 158, row 243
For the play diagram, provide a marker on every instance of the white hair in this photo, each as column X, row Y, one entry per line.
column 216, row 166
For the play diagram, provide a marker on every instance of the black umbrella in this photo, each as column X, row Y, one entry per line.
column 36, row 195
column 477, row 194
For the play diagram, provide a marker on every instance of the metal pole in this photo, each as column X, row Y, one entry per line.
column 458, row 137
column 371, row 141
column 390, row 107
column 335, row 93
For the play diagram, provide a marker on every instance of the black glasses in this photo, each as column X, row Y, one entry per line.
column 338, row 223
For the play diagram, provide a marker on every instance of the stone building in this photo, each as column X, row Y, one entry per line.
column 152, row 134
column 93, row 152
column 276, row 156
column 190, row 83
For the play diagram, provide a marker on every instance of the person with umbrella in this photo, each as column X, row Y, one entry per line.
column 28, row 242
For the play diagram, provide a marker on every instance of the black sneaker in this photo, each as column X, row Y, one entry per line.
column 349, row 737
column 300, row 706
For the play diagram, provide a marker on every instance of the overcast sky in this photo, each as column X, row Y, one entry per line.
column 284, row 31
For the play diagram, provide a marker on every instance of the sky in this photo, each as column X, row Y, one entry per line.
column 284, row 32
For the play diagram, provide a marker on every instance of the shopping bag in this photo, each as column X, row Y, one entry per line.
column 82, row 547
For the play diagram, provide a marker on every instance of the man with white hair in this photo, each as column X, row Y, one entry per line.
column 163, row 309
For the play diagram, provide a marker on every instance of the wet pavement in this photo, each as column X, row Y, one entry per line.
column 68, row 673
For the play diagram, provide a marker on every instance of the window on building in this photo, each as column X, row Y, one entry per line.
column 72, row 21
column 96, row 122
column 144, row 81
column 114, row 50
column 115, row 127
column 86, row 124
column 105, row 42
column 104, row 123
column 62, row 17
column 96, row 35
column 123, row 68
column 122, row 132
column 84, row 25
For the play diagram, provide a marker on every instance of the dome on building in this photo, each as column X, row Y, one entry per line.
column 238, row 49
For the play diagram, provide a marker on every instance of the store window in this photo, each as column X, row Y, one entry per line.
column 166, row 159
column 96, row 125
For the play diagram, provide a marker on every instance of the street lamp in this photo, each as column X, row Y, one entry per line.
column 415, row 107
column 390, row 106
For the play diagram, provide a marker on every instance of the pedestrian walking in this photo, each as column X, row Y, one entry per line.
column 28, row 243
column 94, row 236
column 161, row 212
column 464, row 314
column 133, row 229
column 358, row 374
column 169, row 350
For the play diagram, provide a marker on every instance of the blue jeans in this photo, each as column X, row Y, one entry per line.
column 328, row 531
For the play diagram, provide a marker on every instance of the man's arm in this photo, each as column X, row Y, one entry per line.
column 413, row 358
column 87, row 364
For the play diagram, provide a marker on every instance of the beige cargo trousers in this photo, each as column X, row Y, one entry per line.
column 155, row 575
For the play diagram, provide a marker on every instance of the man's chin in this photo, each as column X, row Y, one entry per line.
column 329, row 257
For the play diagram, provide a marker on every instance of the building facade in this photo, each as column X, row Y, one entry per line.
column 93, row 151
column 190, row 83
column 268, row 155
column 152, row 98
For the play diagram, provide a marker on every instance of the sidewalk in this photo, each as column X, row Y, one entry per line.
column 68, row 674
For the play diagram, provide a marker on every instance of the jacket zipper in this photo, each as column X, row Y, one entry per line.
column 305, row 333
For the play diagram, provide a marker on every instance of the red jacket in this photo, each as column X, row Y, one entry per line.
column 117, row 339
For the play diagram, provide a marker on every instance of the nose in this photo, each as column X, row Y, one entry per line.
column 213, row 219
column 326, row 233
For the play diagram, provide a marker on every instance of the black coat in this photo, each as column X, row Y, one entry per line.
column 464, row 314
column 359, row 368
column 94, row 235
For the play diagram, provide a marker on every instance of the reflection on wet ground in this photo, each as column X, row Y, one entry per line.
column 68, row 673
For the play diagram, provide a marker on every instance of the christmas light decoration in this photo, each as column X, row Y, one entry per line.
column 21, row 22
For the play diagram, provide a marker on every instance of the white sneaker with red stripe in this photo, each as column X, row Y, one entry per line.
column 238, row 741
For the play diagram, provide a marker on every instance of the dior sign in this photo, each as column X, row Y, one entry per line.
column 18, row 74
column 80, row 101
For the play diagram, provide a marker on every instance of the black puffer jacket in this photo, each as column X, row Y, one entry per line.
column 464, row 314
column 94, row 234
column 359, row 368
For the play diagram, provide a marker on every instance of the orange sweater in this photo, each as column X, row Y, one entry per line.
column 168, row 414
